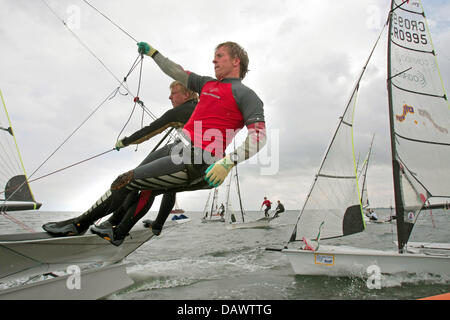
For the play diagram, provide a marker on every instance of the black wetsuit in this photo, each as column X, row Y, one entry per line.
column 279, row 209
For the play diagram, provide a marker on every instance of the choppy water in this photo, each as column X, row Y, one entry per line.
column 196, row 261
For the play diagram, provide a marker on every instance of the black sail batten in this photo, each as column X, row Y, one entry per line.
column 239, row 194
column 420, row 93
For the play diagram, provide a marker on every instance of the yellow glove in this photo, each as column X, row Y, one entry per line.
column 218, row 171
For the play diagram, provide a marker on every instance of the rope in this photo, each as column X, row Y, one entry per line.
column 121, row 83
column 107, row 18
column 72, row 165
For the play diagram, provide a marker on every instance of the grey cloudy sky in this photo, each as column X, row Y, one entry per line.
column 305, row 57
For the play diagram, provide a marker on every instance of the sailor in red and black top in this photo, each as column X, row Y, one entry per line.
column 268, row 205
column 199, row 160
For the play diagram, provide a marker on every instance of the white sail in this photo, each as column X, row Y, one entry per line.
column 420, row 116
column 362, row 178
column 333, row 206
column 334, row 197
column 15, row 192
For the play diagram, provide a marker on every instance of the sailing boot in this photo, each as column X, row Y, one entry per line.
column 65, row 228
column 151, row 224
column 80, row 224
column 108, row 232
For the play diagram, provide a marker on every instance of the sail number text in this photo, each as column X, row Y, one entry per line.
column 408, row 30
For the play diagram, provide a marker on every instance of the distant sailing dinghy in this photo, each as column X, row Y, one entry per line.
column 212, row 212
column 420, row 142
column 231, row 216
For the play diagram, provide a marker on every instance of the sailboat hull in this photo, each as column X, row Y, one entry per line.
column 261, row 223
column 351, row 261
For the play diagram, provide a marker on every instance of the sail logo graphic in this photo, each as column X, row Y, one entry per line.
column 416, row 77
column 324, row 259
column 427, row 115
column 406, row 109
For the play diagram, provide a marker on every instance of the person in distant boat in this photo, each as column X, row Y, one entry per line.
column 279, row 209
column 372, row 215
column 268, row 205
column 198, row 160
column 222, row 210
column 392, row 216
column 184, row 102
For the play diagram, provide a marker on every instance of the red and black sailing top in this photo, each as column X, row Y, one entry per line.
column 224, row 108
column 267, row 203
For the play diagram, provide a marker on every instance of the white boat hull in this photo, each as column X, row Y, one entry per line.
column 261, row 223
column 212, row 220
column 94, row 283
column 25, row 258
column 351, row 261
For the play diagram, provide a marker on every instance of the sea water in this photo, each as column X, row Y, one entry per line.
column 199, row 261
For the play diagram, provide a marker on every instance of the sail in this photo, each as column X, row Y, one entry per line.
column 332, row 207
column 334, row 197
column 15, row 192
column 362, row 177
column 419, row 116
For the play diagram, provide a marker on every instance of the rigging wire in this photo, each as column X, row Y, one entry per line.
column 107, row 18
column 121, row 83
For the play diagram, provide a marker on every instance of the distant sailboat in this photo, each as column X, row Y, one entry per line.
column 234, row 219
column 212, row 212
column 177, row 209
column 419, row 117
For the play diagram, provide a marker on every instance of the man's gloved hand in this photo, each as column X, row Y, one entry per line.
column 119, row 145
column 145, row 48
column 218, row 171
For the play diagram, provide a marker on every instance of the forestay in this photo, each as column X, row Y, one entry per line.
column 420, row 116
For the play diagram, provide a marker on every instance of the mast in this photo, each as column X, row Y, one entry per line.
column 239, row 194
column 228, row 205
column 395, row 165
